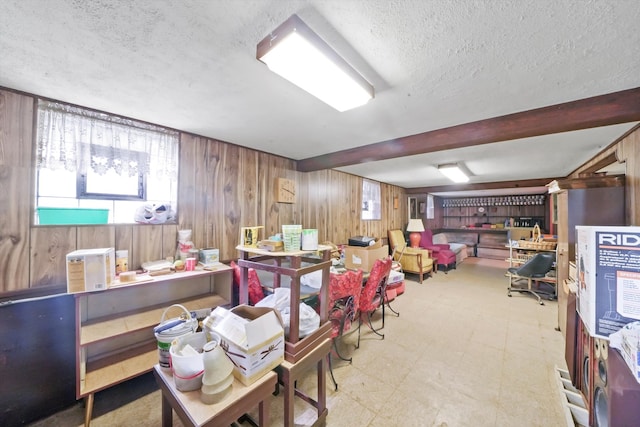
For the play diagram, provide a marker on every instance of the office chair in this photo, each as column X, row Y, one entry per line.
column 533, row 271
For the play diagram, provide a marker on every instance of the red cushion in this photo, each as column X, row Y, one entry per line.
column 370, row 297
column 256, row 293
column 344, row 295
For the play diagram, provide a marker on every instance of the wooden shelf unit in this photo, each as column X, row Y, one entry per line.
column 524, row 216
column 114, row 328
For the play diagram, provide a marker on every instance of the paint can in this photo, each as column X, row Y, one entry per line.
column 169, row 330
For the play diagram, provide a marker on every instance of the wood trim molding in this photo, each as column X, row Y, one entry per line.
column 605, row 161
column 597, row 181
column 541, row 182
column 603, row 110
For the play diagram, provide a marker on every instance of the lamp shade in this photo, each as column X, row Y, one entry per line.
column 299, row 55
column 415, row 226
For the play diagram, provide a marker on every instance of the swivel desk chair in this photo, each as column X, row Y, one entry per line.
column 533, row 270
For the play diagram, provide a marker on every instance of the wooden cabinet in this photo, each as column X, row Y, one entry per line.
column 114, row 327
column 578, row 205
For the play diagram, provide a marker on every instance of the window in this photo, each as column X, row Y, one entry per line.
column 371, row 200
column 87, row 159
column 430, row 207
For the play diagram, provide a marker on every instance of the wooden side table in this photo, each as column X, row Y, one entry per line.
column 193, row 412
column 291, row 372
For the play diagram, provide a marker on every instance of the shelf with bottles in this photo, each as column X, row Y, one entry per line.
column 478, row 221
column 522, row 200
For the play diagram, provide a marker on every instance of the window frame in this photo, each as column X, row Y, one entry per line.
column 81, row 190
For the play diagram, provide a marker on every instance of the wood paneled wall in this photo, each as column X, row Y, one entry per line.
column 627, row 151
column 16, row 115
column 222, row 187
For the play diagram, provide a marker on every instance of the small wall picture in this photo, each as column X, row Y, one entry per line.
column 413, row 208
column 422, row 207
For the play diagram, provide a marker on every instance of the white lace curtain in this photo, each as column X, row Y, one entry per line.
column 77, row 139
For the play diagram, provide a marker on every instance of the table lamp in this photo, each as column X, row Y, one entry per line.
column 415, row 227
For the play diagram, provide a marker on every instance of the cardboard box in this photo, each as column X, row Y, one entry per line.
column 608, row 276
column 630, row 348
column 90, row 270
column 395, row 277
column 359, row 257
column 252, row 337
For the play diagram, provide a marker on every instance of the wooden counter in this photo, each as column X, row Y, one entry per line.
column 486, row 242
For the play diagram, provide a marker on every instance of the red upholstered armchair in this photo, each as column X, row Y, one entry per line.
column 441, row 252
column 426, row 242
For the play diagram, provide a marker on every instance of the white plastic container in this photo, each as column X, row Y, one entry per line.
column 187, row 364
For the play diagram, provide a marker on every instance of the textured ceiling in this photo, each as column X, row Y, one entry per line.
column 191, row 65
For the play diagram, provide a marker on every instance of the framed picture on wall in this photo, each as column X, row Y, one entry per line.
column 422, row 207
column 413, row 208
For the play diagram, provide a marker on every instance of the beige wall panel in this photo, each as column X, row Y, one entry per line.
column 169, row 240
column 124, row 241
column 276, row 214
column 212, row 186
column 148, row 244
column 319, row 203
column 49, row 249
column 231, row 199
column 103, row 236
column 248, row 188
column 198, row 193
column 16, row 112
column 187, row 182
column 303, row 211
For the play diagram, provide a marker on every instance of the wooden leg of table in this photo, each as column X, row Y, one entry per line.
column 289, row 392
column 88, row 410
column 263, row 413
column 167, row 412
column 322, row 385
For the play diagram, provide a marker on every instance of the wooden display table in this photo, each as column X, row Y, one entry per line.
column 193, row 412
column 295, row 346
column 300, row 353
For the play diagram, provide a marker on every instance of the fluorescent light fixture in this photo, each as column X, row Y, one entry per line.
column 454, row 172
column 299, row 55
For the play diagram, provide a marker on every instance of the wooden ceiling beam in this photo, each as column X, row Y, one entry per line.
column 524, row 183
column 603, row 110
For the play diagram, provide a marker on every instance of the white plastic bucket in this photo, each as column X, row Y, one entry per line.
column 169, row 330
column 309, row 239
column 187, row 370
